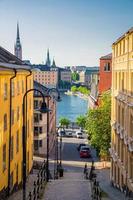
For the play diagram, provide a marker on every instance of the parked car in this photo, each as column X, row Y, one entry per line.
column 61, row 133
column 68, row 134
column 85, row 152
column 79, row 134
column 80, row 145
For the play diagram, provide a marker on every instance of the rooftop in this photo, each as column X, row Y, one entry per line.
column 120, row 38
column 107, row 57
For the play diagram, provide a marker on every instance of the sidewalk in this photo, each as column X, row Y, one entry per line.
column 71, row 186
column 103, row 178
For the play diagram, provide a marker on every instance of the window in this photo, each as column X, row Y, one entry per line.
column 13, row 89
column 17, row 142
column 35, row 104
column 18, row 113
column 40, row 143
column 4, row 157
column 36, row 117
column 22, row 86
column 17, row 173
column 40, row 129
column 11, row 156
column 18, row 88
column 36, row 131
column 12, row 117
column 40, row 116
column 5, row 91
column 35, row 145
column 5, row 122
column 107, row 67
column 131, row 125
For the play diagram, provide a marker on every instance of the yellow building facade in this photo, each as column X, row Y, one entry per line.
column 14, row 81
column 122, row 112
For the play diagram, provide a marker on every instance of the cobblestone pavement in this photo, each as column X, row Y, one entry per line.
column 103, row 178
column 72, row 187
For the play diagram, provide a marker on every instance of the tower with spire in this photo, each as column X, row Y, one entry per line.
column 17, row 46
column 48, row 62
column 53, row 64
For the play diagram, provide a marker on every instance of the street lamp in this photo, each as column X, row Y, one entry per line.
column 43, row 109
column 59, row 162
column 55, row 94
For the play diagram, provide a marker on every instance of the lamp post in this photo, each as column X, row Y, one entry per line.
column 43, row 109
column 55, row 94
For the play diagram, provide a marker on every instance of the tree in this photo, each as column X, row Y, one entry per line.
column 64, row 122
column 74, row 89
column 81, row 121
column 98, row 126
column 75, row 76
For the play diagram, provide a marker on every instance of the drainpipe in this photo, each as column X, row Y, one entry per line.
column 10, row 129
column 30, row 73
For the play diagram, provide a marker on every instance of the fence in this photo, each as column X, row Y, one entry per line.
column 96, row 192
column 39, row 184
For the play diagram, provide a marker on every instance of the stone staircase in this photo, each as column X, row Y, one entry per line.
column 72, row 186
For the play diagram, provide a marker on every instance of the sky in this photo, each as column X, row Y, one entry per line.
column 77, row 32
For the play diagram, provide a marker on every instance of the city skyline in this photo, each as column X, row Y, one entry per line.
column 76, row 32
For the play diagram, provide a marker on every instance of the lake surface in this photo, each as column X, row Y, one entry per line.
column 71, row 107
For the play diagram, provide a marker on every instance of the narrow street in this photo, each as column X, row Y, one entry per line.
column 72, row 185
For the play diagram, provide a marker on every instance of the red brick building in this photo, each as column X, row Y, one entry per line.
column 105, row 73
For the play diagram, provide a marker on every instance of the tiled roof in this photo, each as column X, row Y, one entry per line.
column 120, row 38
column 108, row 56
column 7, row 57
column 40, row 87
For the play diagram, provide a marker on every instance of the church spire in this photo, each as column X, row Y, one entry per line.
column 18, row 47
column 48, row 62
column 53, row 64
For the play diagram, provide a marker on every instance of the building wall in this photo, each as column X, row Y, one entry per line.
column 105, row 75
column 66, row 75
column 46, row 78
column 82, row 77
column 122, row 112
column 16, row 128
column 40, row 136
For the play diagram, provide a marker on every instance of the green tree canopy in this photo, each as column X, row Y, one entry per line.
column 64, row 122
column 74, row 88
column 98, row 125
column 75, row 76
column 81, row 121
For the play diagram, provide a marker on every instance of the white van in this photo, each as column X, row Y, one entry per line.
column 79, row 134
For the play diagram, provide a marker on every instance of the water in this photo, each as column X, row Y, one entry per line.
column 71, row 107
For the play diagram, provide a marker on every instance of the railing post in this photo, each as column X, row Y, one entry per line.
column 34, row 191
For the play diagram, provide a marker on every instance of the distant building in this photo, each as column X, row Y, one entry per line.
column 46, row 76
column 93, row 97
column 105, row 73
column 86, row 77
column 64, row 78
column 18, row 47
column 40, row 123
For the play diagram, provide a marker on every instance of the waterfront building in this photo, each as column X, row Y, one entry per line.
column 64, row 78
column 86, row 76
column 17, row 46
column 105, row 73
column 93, row 97
column 15, row 79
column 122, row 112
column 46, row 76
column 40, row 123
